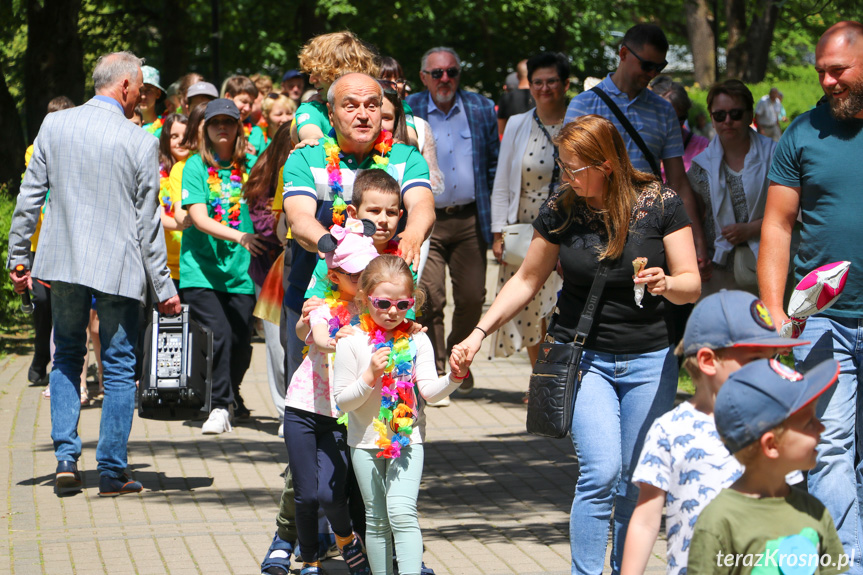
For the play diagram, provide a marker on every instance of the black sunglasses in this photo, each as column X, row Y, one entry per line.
column 720, row 115
column 437, row 73
column 647, row 65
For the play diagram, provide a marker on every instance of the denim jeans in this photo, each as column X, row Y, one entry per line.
column 118, row 332
column 836, row 479
column 618, row 398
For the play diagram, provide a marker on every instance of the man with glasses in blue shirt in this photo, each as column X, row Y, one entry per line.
column 642, row 58
column 465, row 130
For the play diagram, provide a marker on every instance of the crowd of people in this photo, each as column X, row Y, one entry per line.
column 358, row 196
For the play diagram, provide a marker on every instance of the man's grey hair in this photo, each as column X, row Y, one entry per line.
column 331, row 93
column 439, row 49
column 115, row 67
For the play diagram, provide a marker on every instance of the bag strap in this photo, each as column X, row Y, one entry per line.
column 585, row 322
column 630, row 129
column 555, row 172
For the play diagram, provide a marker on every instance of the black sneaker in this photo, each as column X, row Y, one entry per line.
column 67, row 480
column 114, row 486
column 240, row 409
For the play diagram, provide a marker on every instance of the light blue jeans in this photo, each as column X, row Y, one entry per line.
column 617, row 401
column 836, row 480
column 390, row 488
column 118, row 332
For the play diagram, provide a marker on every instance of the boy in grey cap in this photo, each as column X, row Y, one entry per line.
column 683, row 464
column 765, row 414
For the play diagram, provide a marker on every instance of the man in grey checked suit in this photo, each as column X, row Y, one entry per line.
column 101, row 237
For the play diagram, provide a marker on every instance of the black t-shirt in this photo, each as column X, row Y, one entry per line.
column 515, row 102
column 619, row 325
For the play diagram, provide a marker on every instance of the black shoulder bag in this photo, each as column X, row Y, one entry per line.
column 555, row 378
column 630, row 129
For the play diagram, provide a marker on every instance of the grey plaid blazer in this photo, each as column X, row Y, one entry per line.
column 102, row 226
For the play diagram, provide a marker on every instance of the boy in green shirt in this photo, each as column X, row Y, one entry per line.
column 765, row 415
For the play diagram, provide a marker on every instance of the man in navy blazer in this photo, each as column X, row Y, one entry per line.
column 102, row 237
column 465, row 130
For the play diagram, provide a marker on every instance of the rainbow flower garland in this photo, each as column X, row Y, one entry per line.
column 399, row 409
column 333, row 154
column 225, row 197
column 155, row 126
column 165, row 198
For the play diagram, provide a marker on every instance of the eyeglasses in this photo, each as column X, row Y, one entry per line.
column 720, row 115
column 647, row 65
column 384, row 304
column 551, row 83
column 569, row 171
column 438, row 73
column 353, row 277
column 394, row 84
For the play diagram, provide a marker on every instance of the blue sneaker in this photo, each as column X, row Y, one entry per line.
column 114, row 486
column 311, row 570
column 355, row 557
column 278, row 559
column 67, row 480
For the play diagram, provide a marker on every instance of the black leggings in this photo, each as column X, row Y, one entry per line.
column 229, row 316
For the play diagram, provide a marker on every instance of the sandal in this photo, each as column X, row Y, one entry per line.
column 85, row 397
column 278, row 558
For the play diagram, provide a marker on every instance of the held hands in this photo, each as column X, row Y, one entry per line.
column 458, row 362
column 380, row 358
column 253, row 243
column 657, row 282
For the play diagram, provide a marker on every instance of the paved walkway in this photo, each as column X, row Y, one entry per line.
column 494, row 500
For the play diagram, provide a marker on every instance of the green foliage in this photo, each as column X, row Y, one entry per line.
column 10, row 302
column 799, row 84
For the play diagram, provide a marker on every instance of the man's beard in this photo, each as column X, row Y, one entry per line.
column 849, row 107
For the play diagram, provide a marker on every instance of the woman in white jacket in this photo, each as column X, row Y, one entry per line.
column 731, row 178
column 527, row 175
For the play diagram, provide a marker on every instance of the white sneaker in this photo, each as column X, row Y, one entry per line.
column 441, row 403
column 218, row 422
column 281, row 429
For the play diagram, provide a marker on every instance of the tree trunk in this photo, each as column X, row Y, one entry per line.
column 54, row 63
column 736, row 49
column 759, row 38
column 174, row 26
column 700, row 32
column 11, row 136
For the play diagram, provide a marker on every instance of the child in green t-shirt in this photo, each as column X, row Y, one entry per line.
column 243, row 92
column 765, row 415
column 214, row 256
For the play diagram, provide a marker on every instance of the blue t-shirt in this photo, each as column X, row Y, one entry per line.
column 822, row 157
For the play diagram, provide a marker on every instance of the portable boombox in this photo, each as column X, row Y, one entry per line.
column 177, row 378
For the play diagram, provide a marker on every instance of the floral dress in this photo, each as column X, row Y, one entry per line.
column 537, row 165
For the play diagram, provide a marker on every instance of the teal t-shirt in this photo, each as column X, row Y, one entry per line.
column 313, row 114
column 306, row 174
column 822, row 156
column 206, row 262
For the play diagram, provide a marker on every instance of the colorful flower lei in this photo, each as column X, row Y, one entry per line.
column 165, row 199
column 226, row 197
column 333, row 154
column 399, row 410
column 155, row 126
